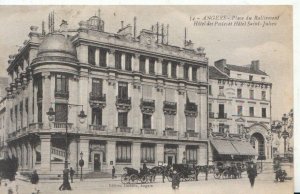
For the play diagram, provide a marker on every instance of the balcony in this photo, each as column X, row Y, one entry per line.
column 124, row 129
column 170, row 132
column 62, row 125
column 222, row 115
column 191, row 133
column 35, row 126
column 211, row 115
column 97, row 127
column 123, row 103
column 62, row 94
column 170, row 107
column 148, row 131
column 147, row 106
column 191, row 109
column 97, row 100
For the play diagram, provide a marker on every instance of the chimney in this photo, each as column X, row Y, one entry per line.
column 220, row 64
column 254, row 65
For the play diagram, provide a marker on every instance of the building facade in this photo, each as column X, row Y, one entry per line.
column 239, row 109
column 145, row 102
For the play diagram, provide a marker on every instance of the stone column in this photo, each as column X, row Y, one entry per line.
column 82, row 53
column 158, row 66
column 111, row 153
column 46, row 104
column 158, row 114
column 169, row 69
column 202, row 113
column 29, row 155
column 84, row 148
column 181, row 152
column 97, row 57
column 180, row 126
column 180, row 70
column 160, row 153
column 136, row 155
column 45, row 153
column 135, row 60
column 123, row 61
column 147, row 65
column 190, row 73
column 73, row 157
column 111, row 58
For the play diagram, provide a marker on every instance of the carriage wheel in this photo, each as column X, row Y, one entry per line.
column 217, row 175
column 133, row 178
column 144, row 179
column 125, row 179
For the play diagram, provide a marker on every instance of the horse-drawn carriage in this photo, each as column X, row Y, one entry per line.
column 233, row 171
column 134, row 176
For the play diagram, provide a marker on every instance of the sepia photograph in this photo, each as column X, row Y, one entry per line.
column 146, row 99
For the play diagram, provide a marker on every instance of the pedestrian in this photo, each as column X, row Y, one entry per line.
column 144, row 166
column 72, row 172
column 175, row 180
column 252, row 173
column 164, row 169
column 113, row 172
column 66, row 184
column 34, row 179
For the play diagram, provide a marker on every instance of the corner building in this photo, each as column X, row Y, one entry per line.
column 239, row 109
column 144, row 101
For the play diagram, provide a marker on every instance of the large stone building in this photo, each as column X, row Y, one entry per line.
column 239, row 109
column 145, row 101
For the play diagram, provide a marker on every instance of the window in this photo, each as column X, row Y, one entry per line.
column 147, row 121
column 240, row 110
column 142, row 64
column 40, row 112
column 103, row 57
column 165, row 67
column 221, row 90
column 263, row 95
column 209, row 90
column 97, row 116
column 191, row 155
column 221, row 128
column 61, row 112
column 186, row 72
column 251, row 111
column 122, row 119
column 264, row 112
column 128, row 61
column 209, row 107
column 39, row 84
column 239, row 93
column 173, row 70
column 148, row 153
column 123, row 152
column 118, row 60
column 222, row 111
column 91, row 55
column 61, row 83
column 194, row 73
column 151, row 65
column 250, row 77
column 123, row 90
column 190, row 123
column 97, row 87
column 169, row 121
column 251, row 94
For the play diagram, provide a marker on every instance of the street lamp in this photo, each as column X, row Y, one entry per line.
column 51, row 117
column 81, row 163
column 285, row 134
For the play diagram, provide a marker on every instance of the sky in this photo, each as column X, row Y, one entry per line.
column 239, row 45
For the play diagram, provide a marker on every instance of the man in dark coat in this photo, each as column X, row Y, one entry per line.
column 113, row 172
column 34, row 179
column 72, row 172
column 66, row 184
column 252, row 173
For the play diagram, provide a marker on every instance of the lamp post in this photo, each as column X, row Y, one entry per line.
column 51, row 114
column 81, row 163
column 285, row 134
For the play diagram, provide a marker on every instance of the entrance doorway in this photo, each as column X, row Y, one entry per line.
column 258, row 143
column 97, row 163
column 170, row 159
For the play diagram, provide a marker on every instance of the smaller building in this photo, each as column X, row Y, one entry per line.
column 239, row 108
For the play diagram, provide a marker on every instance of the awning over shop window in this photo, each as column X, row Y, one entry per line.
column 224, row 147
column 244, row 148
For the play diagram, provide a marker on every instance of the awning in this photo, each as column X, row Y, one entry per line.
column 244, row 148
column 224, row 147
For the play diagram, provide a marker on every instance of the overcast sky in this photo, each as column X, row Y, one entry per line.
column 239, row 45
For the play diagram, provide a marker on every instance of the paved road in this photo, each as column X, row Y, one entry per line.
column 264, row 185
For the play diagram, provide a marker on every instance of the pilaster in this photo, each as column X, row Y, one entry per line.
column 159, row 153
column 147, row 65
column 136, row 155
column 111, row 58
column 45, row 153
column 181, row 153
column 158, row 66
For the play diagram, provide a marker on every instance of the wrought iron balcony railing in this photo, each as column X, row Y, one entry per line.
column 148, row 131
column 62, row 94
column 222, row 115
column 97, row 97
column 191, row 134
column 97, row 127
column 170, row 132
column 122, row 129
column 191, row 107
column 123, row 100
